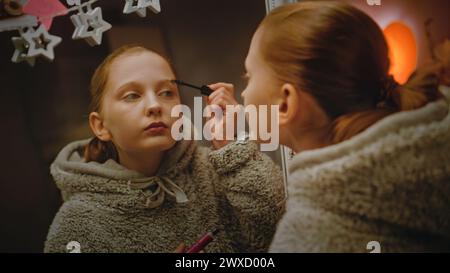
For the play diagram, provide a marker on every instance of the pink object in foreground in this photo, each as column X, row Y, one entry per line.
column 203, row 242
column 45, row 10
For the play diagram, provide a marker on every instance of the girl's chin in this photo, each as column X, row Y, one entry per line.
column 160, row 143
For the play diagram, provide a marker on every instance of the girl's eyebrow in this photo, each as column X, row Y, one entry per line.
column 165, row 82
column 128, row 85
column 134, row 84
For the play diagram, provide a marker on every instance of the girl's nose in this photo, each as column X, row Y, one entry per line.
column 153, row 107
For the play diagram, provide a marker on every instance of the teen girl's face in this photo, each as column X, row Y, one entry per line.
column 138, row 101
column 261, row 83
column 262, row 86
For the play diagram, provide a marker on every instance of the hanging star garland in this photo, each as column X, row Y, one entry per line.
column 33, row 19
column 132, row 6
column 153, row 5
column 90, row 26
column 21, row 51
column 140, row 7
column 73, row 2
column 41, row 43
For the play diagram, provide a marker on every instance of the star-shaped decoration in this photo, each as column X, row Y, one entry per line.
column 21, row 51
column 78, row 22
column 140, row 7
column 41, row 42
column 153, row 5
column 44, row 10
column 133, row 6
column 90, row 26
column 16, row 23
column 73, row 2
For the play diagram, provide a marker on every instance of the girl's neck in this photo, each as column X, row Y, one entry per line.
column 310, row 139
column 144, row 163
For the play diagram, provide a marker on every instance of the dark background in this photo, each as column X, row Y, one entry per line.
column 45, row 107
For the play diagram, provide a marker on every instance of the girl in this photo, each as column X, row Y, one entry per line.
column 373, row 157
column 132, row 188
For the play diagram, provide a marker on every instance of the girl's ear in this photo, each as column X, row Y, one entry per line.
column 97, row 126
column 289, row 104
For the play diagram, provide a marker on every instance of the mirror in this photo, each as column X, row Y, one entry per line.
column 45, row 107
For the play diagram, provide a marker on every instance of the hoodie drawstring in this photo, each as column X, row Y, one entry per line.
column 157, row 197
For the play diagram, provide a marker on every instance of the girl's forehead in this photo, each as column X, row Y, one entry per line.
column 145, row 66
column 143, row 59
column 254, row 56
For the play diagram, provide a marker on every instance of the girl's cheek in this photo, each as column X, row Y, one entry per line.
column 169, row 106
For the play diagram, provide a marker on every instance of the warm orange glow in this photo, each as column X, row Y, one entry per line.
column 402, row 51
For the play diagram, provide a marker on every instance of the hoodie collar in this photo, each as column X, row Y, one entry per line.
column 72, row 174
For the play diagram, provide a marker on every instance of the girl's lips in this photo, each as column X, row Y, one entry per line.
column 156, row 130
column 156, row 127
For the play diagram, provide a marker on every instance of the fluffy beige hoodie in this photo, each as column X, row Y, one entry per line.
column 389, row 184
column 108, row 208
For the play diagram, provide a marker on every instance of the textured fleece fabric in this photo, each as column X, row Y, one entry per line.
column 236, row 189
column 389, row 184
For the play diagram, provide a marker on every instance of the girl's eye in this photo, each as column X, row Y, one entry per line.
column 131, row 97
column 166, row 93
